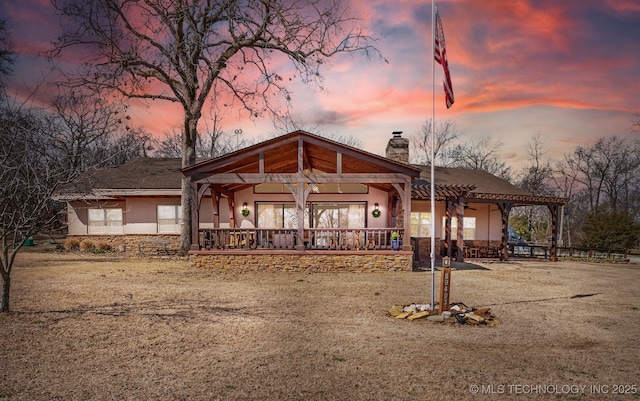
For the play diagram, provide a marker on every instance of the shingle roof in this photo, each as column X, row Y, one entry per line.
column 149, row 174
column 483, row 181
column 475, row 185
column 142, row 173
column 141, row 177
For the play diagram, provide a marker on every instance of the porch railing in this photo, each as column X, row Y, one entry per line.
column 313, row 238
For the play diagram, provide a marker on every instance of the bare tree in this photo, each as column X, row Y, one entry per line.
column 450, row 151
column 30, row 175
column 536, row 176
column 189, row 51
column 536, row 179
column 25, row 187
column 345, row 139
column 170, row 145
column 84, row 125
column 124, row 146
column 6, row 53
column 91, row 132
column 216, row 142
column 481, row 155
column 446, row 134
column 565, row 179
column 608, row 173
column 291, row 124
column 601, row 178
column 213, row 142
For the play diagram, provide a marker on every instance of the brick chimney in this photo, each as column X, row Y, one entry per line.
column 398, row 148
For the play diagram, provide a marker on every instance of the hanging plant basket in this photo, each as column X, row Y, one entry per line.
column 376, row 213
column 245, row 212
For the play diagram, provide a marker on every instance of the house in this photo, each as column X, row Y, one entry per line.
column 302, row 200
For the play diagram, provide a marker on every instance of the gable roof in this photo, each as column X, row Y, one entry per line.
column 281, row 156
column 295, row 153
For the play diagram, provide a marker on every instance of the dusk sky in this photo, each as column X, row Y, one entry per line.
column 567, row 70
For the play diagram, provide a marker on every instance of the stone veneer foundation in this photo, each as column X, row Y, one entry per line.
column 128, row 242
column 305, row 261
column 277, row 260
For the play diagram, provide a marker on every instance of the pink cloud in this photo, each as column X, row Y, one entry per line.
column 507, row 58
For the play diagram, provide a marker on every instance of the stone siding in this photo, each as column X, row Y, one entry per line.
column 396, row 261
column 128, row 242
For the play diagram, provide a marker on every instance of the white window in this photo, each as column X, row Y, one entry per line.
column 323, row 215
column 105, row 221
column 421, row 224
column 468, row 228
column 278, row 215
column 338, row 215
column 169, row 218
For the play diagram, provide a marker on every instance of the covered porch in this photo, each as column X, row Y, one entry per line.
column 301, row 194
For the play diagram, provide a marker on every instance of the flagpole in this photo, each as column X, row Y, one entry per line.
column 433, row 186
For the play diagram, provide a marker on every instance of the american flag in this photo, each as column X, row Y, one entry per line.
column 441, row 57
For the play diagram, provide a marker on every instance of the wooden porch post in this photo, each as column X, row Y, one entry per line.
column 300, row 205
column 505, row 209
column 553, row 254
column 231, row 202
column 406, row 203
column 448, row 214
column 391, row 206
column 195, row 216
column 404, row 192
column 460, row 232
column 215, row 204
column 300, row 196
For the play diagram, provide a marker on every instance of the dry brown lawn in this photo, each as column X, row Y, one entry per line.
column 108, row 328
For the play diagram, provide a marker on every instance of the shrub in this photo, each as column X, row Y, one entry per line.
column 86, row 245
column 610, row 230
column 71, row 244
column 103, row 246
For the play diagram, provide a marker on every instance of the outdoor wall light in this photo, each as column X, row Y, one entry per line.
column 245, row 209
column 376, row 210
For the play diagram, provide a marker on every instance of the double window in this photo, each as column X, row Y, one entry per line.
column 421, row 226
column 277, row 215
column 318, row 215
column 338, row 215
column 105, row 221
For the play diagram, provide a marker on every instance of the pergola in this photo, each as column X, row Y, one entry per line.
column 453, row 187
